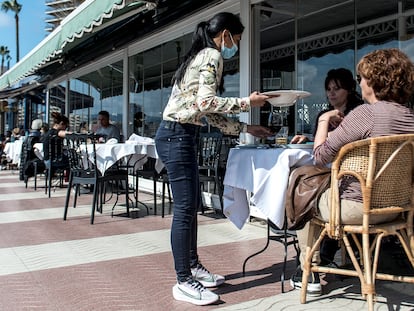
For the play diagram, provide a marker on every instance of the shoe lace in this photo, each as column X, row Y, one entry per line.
column 201, row 268
column 197, row 285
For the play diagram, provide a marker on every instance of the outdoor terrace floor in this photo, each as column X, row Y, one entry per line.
column 122, row 263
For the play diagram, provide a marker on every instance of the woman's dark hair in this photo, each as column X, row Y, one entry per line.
column 45, row 127
column 344, row 79
column 203, row 37
column 59, row 118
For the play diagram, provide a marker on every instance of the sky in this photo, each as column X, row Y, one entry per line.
column 31, row 28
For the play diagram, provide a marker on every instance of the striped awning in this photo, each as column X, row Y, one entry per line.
column 90, row 16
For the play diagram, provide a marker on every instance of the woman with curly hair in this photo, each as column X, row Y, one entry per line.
column 386, row 78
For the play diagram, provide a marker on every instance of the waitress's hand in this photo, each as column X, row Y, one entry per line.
column 258, row 100
column 259, row 131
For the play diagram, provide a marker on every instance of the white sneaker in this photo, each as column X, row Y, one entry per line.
column 205, row 277
column 314, row 284
column 194, row 292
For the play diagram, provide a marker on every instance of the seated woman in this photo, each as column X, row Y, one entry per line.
column 341, row 93
column 387, row 83
column 58, row 130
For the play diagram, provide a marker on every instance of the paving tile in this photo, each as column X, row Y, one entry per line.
column 125, row 263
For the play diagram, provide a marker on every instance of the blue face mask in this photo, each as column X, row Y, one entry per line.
column 226, row 52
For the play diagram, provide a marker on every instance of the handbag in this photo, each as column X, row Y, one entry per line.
column 306, row 184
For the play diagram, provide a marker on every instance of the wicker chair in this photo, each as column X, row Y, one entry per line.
column 384, row 167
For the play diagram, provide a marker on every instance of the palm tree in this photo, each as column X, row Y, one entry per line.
column 4, row 52
column 8, row 58
column 15, row 7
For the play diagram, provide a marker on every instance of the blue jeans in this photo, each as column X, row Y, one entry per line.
column 176, row 147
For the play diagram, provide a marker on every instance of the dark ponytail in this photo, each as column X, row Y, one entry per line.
column 203, row 38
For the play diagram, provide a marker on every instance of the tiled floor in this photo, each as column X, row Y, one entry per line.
column 122, row 263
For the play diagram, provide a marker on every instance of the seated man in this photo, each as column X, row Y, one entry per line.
column 35, row 128
column 105, row 128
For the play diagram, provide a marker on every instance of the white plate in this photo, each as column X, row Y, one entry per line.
column 300, row 146
column 251, row 146
column 286, row 98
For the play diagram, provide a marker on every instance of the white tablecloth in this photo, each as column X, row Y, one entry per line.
column 264, row 173
column 38, row 150
column 12, row 150
column 108, row 154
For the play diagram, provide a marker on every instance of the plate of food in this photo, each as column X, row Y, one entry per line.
column 286, row 97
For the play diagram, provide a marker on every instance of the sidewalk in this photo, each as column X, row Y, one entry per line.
column 340, row 296
column 122, row 263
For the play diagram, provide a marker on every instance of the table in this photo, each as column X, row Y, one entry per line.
column 137, row 153
column 108, row 154
column 264, row 173
column 12, row 150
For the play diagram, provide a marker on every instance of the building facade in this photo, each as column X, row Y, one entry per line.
column 125, row 65
column 57, row 11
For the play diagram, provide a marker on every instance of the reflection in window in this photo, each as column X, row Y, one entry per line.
column 326, row 37
column 149, row 84
column 100, row 90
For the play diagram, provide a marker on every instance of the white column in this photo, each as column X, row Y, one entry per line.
column 67, row 98
column 125, row 91
column 245, row 56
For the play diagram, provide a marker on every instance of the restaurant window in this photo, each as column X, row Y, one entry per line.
column 325, row 42
column 150, row 82
column 136, row 95
column 276, row 37
column 95, row 91
column 300, row 42
column 80, row 106
column 57, row 100
column 145, row 94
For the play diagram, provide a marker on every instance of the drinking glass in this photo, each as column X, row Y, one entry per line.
column 275, row 121
column 282, row 136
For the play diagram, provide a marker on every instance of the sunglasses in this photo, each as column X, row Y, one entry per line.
column 358, row 78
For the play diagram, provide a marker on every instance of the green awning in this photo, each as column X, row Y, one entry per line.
column 89, row 16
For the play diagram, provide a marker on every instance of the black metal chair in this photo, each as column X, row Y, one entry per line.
column 209, row 149
column 57, row 163
column 148, row 171
column 283, row 236
column 30, row 164
column 82, row 159
column 165, row 184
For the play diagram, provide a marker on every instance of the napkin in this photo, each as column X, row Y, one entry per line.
column 112, row 141
column 134, row 138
